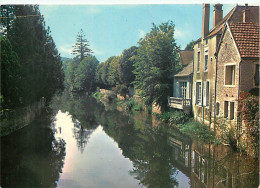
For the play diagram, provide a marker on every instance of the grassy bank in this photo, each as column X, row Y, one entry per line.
column 187, row 126
column 174, row 118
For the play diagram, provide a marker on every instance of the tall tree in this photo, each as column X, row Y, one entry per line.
column 81, row 47
column 40, row 68
column 155, row 62
column 113, row 71
column 126, row 74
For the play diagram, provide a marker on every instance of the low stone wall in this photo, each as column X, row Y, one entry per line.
column 19, row 118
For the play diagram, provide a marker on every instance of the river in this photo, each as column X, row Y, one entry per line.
column 79, row 142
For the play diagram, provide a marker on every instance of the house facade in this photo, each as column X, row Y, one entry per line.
column 205, row 63
column 237, row 66
column 182, row 84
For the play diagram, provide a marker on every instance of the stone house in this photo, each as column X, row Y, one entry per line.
column 237, row 57
column 182, row 83
column 204, row 76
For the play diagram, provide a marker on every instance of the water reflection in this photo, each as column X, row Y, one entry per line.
column 108, row 148
column 164, row 158
column 81, row 135
column 32, row 157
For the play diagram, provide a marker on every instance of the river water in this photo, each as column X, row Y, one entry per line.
column 79, row 142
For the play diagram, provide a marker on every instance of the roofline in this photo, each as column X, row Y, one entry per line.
column 227, row 19
column 183, row 75
column 234, row 42
column 220, row 41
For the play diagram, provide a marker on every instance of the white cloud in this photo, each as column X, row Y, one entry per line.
column 141, row 33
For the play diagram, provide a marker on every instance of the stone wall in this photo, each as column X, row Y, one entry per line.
column 19, row 118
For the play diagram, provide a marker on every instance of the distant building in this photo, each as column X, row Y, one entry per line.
column 204, row 76
column 182, row 83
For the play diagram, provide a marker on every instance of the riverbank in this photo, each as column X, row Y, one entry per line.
column 175, row 119
column 184, row 123
column 13, row 120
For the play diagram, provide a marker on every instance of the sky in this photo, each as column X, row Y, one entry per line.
column 112, row 28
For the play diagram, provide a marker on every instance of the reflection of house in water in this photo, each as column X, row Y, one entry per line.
column 81, row 135
column 210, row 166
column 217, row 167
column 181, row 155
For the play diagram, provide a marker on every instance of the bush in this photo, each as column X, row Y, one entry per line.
column 110, row 96
column 178, row 118
column 97, row 95
column 121, row 90
column 197, row 130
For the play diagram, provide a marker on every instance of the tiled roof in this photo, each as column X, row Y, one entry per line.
column 246, row 36
column 186, row 56
column 186, row 71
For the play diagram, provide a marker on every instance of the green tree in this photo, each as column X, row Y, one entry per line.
column 85, row 74
column 155, row 62
column 10, row 75
column 113, row 71
column 40, row 65
column 70, row 75
column 81, row 47
column 98, row 77
column 189, row 46
column 126, row 62
column 105, row 73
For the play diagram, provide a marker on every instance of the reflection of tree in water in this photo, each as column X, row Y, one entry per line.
column 147, row 148
column 32, row 157
column 81, row 135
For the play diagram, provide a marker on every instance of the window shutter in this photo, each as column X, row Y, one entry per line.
column 177, row 89
column 204, row 93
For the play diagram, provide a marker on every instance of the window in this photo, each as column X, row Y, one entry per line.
column 198, row 44
column 231, row 114
column 206, row 42
column 183, row 90
column 198, row 65
column 225, row 109
column 206, row 61
column 217, row 108
column 198, row 93
column 230, row 75
column 257, row 75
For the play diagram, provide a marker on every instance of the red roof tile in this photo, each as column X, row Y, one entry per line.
column 246, row 36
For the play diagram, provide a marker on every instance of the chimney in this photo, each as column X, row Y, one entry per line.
column 246, row 14
column 217, row 14
column 205, row 21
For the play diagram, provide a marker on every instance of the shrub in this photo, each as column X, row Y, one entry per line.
column 197, row 130
column 178, row 118
column 110, row 96
column 248, row 113
column 97, row 95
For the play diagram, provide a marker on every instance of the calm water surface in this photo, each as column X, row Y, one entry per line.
column 81, row 143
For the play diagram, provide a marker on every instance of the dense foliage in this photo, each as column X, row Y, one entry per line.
column 156, row 60
column 31, row 64
column 248, row 111
column 80, row 76
column 117, row 72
